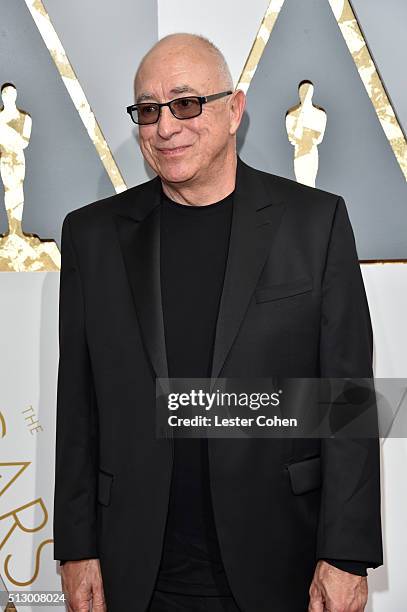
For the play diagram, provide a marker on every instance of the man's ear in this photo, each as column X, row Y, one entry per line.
column 237, row 107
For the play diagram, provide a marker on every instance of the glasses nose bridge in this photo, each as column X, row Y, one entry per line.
column 168, row 105
column 166, row 114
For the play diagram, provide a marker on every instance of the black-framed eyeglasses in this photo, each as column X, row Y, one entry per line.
column 187, row 107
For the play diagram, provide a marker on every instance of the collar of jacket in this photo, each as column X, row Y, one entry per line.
column 258, row 207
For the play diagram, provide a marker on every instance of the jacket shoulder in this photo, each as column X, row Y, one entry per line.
column 293, row 190
column 100, row 210
column 306, row 206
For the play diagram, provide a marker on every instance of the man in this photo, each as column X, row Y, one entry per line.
column 213, row 269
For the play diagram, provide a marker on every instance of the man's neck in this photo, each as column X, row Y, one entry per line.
column 213, row 189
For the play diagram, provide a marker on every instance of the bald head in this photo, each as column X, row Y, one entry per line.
column 182, row 44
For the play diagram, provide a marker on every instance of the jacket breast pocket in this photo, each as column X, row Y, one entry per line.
column 105, row 481
column 267, row 293
column 305, row 475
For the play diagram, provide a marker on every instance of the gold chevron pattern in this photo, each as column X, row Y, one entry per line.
column 54, row 46
column 357, row 45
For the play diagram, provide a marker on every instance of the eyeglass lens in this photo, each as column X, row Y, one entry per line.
column 182, row 108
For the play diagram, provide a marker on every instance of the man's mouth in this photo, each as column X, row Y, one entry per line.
column 169, row 151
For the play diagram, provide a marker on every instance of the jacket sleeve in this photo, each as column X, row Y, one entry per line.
column 350, row 520
column 359, row 568
column 74, row 521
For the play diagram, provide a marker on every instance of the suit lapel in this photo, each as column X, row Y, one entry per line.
column 255, row 222
column 139, row 235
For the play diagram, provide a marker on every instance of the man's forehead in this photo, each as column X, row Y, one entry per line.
column 176, row 90
column 175, row 72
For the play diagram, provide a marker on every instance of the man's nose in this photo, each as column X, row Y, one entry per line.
column 167, row 123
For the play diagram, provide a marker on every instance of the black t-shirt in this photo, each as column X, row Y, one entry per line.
column 194, row 246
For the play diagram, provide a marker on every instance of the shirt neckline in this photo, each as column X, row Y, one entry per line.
column 199, row 210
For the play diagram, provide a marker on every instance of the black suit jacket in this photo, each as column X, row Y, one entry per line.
column 293, row 304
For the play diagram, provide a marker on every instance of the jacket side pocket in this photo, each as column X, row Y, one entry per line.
column 305, row 475
column 105, row 481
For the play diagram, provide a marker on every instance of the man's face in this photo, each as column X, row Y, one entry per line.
column 189, row 149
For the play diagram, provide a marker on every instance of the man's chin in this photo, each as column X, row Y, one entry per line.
column 177, row 173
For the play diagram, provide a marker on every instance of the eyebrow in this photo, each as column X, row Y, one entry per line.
column 180, row 89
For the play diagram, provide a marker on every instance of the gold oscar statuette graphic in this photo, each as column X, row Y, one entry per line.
column 358, row 48
column 305, row 124
column 19, row 251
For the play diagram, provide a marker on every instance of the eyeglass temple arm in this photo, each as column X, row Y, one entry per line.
column 216, row 96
